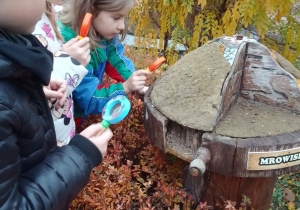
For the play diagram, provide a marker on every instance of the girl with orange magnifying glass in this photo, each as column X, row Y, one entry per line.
column 106, row 33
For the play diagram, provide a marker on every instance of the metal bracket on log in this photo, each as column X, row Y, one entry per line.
column 198, row 165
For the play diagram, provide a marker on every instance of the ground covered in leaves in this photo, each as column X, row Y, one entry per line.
column 137, row 175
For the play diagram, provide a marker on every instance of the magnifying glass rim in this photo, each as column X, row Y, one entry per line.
column 86, row 24
column 125, row 108
column 157, row 63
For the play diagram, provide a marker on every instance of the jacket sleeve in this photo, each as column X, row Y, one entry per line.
column 67, row 68
column 118, row 66
column 52, row 183
column 90, row 96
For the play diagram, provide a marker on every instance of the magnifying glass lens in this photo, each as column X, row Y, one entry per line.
column 115, row 109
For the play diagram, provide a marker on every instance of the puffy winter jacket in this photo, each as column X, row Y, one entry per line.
column 34, row 172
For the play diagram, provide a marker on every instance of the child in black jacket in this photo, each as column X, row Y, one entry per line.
column 34, row 172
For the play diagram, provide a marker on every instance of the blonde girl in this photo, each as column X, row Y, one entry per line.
column 107, row 31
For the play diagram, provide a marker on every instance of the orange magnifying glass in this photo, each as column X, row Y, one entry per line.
column 85, row 26
column 156, row 64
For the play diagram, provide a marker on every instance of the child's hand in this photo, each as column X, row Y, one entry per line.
column 79, row 50
column 136, row 81
column 143, row 90
column 101, row 141
column 57, row 89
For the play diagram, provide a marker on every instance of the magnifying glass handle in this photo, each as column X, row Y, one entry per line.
column 105, row 124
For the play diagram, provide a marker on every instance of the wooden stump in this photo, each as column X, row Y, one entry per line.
column 236, row 166
column 229, row 171
column 258, row 189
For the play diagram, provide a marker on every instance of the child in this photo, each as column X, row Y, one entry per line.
column 65, row 67
column 34, row 172
column 106, row 53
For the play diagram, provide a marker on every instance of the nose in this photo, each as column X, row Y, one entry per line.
column 121, row 24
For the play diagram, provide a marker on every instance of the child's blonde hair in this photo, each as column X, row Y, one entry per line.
column 74, row 11
column 49, row 14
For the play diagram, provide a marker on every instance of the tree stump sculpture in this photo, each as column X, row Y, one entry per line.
column 231, row 108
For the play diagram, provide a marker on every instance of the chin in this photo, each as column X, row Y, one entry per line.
column 26, row 31
column 109, row 37
column 61, row 3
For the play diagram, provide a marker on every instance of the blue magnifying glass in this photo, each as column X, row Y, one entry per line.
column 115, row 110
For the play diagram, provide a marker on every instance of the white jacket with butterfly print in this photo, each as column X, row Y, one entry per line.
column 67, row 68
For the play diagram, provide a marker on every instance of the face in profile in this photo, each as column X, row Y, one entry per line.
column 110, row 23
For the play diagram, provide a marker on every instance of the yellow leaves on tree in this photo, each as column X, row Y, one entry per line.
column 194, row 22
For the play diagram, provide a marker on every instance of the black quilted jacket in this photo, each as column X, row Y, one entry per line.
column 34, row 173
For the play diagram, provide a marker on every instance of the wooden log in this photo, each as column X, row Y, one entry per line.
column 259, row 190
column 230, row 156
column 169, row 136
column 182, row 141
column 267, row 146
column 222, row 150
column 237, row 166
column 155, row 123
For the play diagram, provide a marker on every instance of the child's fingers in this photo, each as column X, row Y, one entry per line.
column 57, row 89
column 62, row 99
column 52, row 93
column 138, row 85
column 86, row 47
column 83, row 42
column 86, row 52
column 102, row 141
column 70, row 42
column 58, row 84
column 141, row 83
column 62, row 85
column 143, row 72
column 106, row 135
column 92, row 130
column 142, row 78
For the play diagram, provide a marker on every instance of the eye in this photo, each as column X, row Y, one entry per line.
column 116, row 17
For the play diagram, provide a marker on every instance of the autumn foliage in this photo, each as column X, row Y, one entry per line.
column 134, row 174
column 193, row 22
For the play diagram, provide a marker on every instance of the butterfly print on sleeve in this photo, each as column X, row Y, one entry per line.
column 72, row 81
